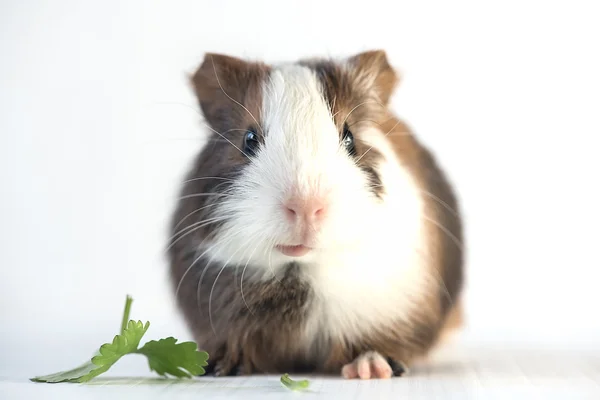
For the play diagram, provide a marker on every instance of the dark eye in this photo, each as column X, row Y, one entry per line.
column 250, row 143
column 348, row 141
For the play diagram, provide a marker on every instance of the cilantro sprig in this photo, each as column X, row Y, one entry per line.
column 165, row 356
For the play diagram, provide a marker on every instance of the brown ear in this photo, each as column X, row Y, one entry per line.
column 225, row 85
column 372, row 68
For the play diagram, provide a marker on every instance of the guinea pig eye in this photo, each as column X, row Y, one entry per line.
column 250, row 143
column 348, row 141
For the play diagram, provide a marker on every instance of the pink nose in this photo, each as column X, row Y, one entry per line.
column 311, row 209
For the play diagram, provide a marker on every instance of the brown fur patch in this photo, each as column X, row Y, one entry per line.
column 223, row 83
column 374, row 70
column 259, row 332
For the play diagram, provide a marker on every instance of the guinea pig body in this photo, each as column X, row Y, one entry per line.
column 314, row 233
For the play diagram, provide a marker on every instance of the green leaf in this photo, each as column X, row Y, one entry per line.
column 292, row 384
column 125, row 343
column 71, row 375
column 181, row 360
column 165, row 356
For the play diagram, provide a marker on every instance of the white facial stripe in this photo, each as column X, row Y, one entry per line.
column 302, row 140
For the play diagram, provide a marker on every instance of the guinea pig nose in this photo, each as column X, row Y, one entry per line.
column 309, row 209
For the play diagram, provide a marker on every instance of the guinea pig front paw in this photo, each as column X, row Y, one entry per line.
column 226, row 368
column 369, row 365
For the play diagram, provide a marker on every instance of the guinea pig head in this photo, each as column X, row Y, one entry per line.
column 294, row 155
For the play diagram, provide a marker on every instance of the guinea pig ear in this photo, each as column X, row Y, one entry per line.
column 224, row 85
column 373, row 69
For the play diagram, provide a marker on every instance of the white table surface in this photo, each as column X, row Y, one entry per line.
column 463, row 372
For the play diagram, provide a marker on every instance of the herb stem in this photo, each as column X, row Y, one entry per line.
column 128, row 301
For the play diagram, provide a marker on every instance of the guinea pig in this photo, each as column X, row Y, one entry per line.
column 314, row 233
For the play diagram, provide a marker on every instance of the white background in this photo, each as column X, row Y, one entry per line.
column 97, row 126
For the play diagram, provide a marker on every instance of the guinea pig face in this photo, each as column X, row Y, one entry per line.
column 296, row 149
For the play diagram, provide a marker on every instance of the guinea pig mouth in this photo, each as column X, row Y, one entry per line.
column 293, row 251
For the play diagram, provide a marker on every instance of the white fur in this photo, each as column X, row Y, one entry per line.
column 367, row 269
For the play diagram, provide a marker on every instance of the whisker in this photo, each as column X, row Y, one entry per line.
column 190, row 268
column 198, row 302
column 437, row 276
column 225, row 180
column 369, row 149
column 194, row 263
column 351, row 111
column 360, row 105
column 369, row 120
column 189, row 196
column 446, row 231
column 207, row 177
column 175, row 103
column 192, row 228
column 199, row 113
column 199, row 286
column 402, row 133
column 228, row 239
column 210, row 299
column 334, row 100
column 434, row 197
column 203, row 221
column 215, row 283
column 242, row 280
column 194, row 212
column 440, row 201
column 270, row 262
column 228, row 130
column 228, row 141
column 232, row 99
